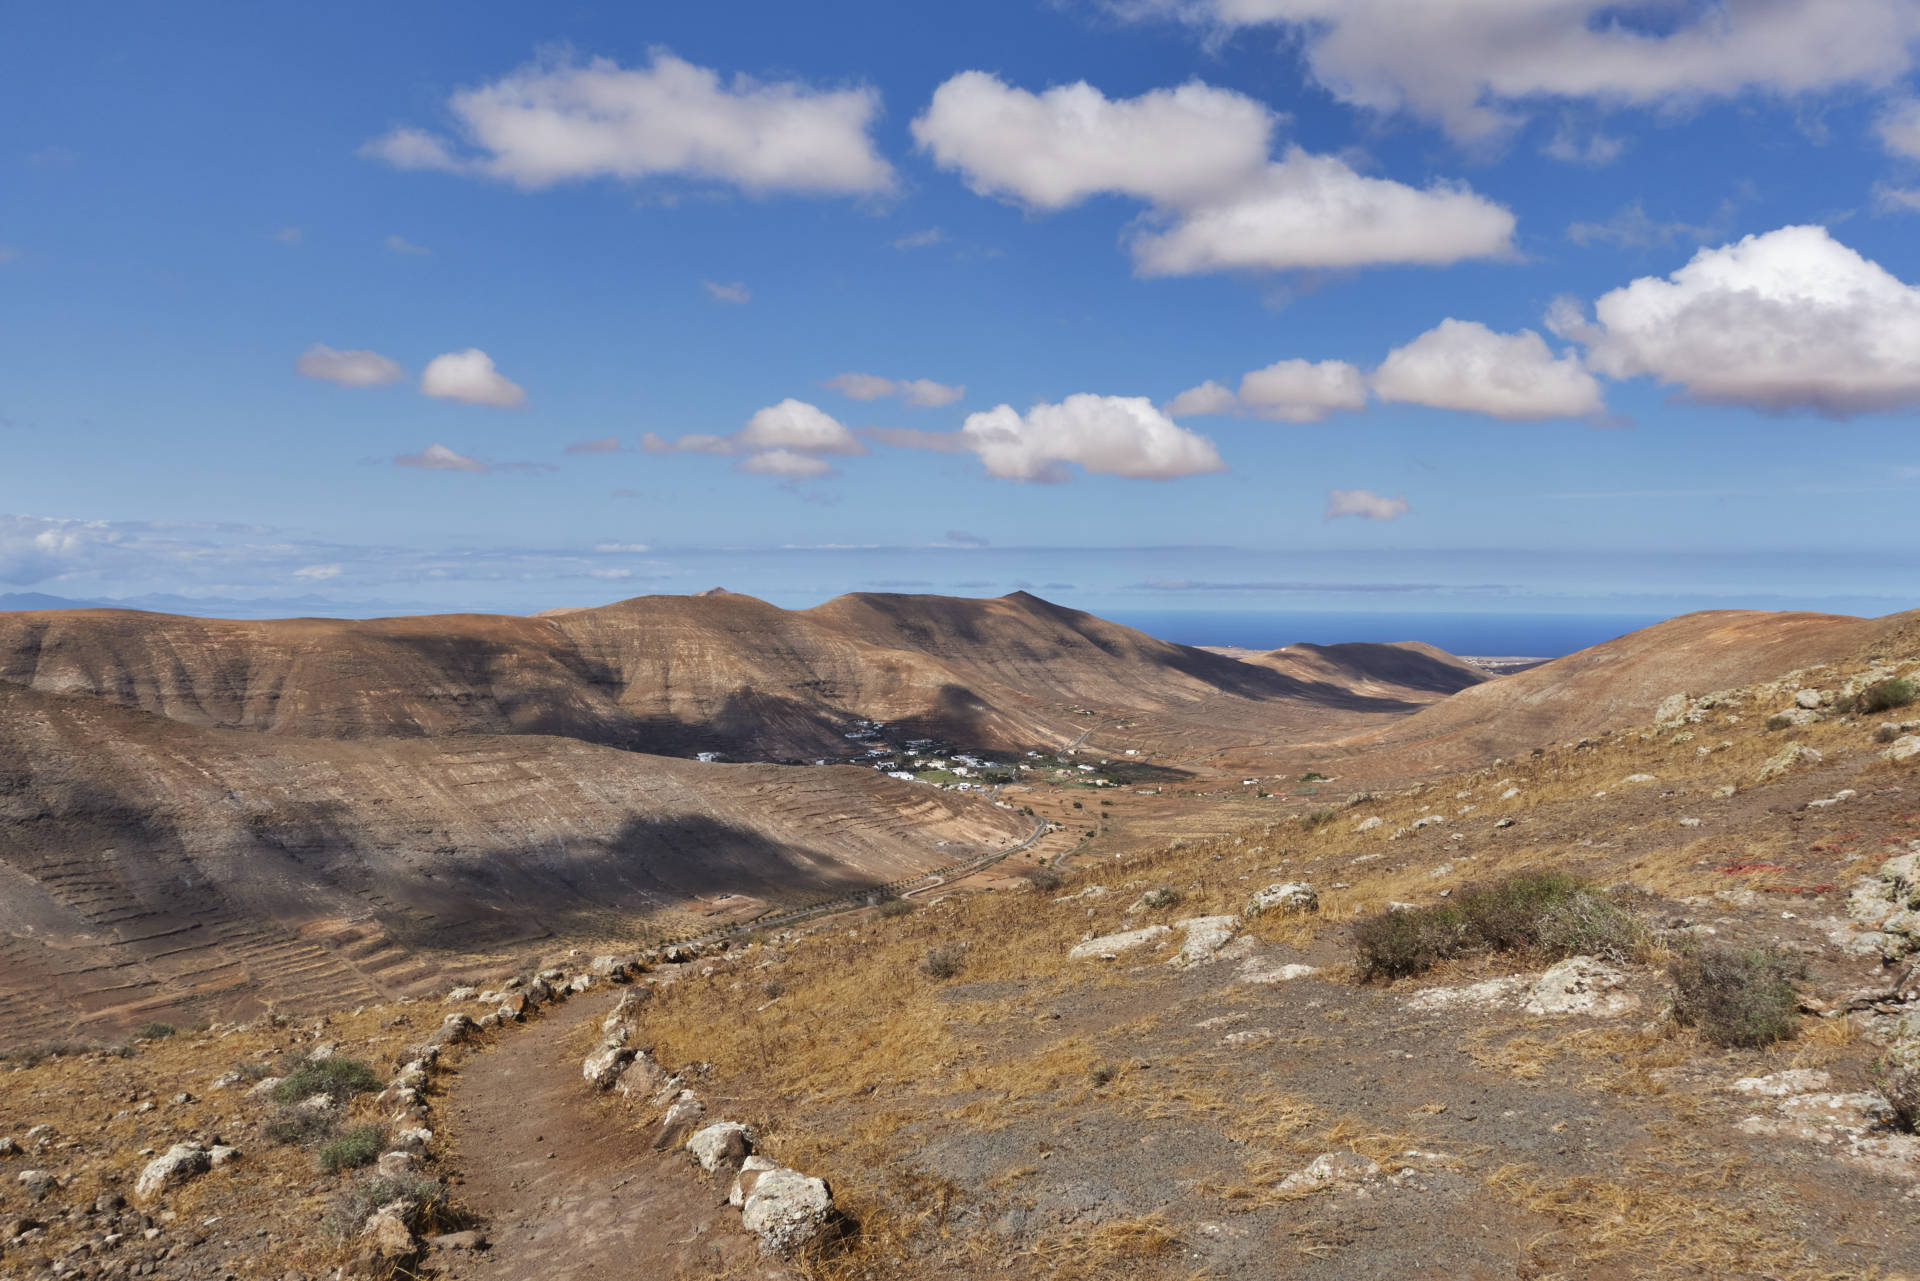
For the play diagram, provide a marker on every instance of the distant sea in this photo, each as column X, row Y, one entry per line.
column 1529, row 635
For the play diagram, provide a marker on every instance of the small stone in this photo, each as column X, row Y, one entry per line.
column 1288, row 896
column 721, row 1144
column 182, row 1161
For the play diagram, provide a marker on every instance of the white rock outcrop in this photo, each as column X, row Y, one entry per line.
column 786, row 1209
column 1580, row 985
column 720, row 1144
column 1206, row 935
column 181, row 1162
column 1109, row 946
column 1287, row 896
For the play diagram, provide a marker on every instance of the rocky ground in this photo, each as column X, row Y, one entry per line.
column 1167, row 1065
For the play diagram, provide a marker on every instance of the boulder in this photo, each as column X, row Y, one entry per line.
column 1580, row 985
column 786, row 1209
column 182, row 1161
column 1807, row 698
column 1787, row 759
column 395, row 1165
column 614, row 969
column 1904, row 751
column 264, row 1087
column 1368, row 824
column 413, row 1140
column 642, row 1077
column 682, row 1115
column 459, row 994
column 219, row 1156
column 36, row 1183
column 1206, row 935
column 721, row 1145
column 386, row 1234
column 1288, row 896
column 1109, row 946
column 1672, row 710
column 743, row 1183
column 604, row 1066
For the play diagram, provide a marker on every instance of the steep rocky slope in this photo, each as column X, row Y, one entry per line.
column 1402, row 669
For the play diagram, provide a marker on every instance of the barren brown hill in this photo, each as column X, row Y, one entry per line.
column 1400, row 669
column 148, row 864
column 1622, row 682
column 674, row 674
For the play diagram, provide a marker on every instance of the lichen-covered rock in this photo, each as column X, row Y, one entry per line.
column 1904, row 751
column 1288, row 896
column 181, row 1162
column 743, row 1183
column 1787, row 759
column 1580, row 985
column 786, row 1209
column 603, row 1067
column 722, row 1144
column 1368, row 824
column 1109, row 946
column 1206, row 935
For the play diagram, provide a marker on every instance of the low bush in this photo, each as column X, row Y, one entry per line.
column 357, row 1204
column 1779, row 720
column 944, row 962
column 253, row 1071
column 1045, row 878
column 339, row 1079
column 1737, row 996
column 1884, row 696
column 1161, row 896
column 894, row 907
column 1886, row 733
column 1898, row 1085
column 1103, row 1075
column 155, row 1031
column 295, row 1126
column 1549, row 914
column 359, row 1146
column 1318, row 818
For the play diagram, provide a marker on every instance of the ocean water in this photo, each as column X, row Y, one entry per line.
column 1531, row 635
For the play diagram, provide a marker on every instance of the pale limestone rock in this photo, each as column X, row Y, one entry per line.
column 1109, row 946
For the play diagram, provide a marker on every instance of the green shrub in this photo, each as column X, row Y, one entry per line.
column 359, row 1146
column 1550, row 914
column 894, row 907
column 1884, row 696
column 294, row 1126
column 1737, row 996
column 155, row 1031
column 339, row 1079
column 1886, row 733
column 944, row 962
column 1318, row 818
column 1779, row 720
column 1161, row 896
column 1103, row 1075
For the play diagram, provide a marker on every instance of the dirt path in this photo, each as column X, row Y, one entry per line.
column 568, row 1188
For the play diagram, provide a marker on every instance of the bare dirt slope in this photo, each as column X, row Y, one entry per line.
column 1409, row 670
column 670, row 674
column 148, row 863
column 1622, row 682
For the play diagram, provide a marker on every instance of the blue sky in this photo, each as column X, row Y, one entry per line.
column 1551, row 305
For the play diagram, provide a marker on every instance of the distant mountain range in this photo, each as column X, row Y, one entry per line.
column 211, row 606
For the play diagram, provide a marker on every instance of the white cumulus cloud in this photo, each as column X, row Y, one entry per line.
column 1293, row 391
column 1462, row 364
column 1791, row 319
column 922, row 392
column 1105, row 435
column 1365, row 504
column 796, row 425
column 1467, row 64
column 347, row 368
column 563, row 120
column 1200, row 157
column 469, row 376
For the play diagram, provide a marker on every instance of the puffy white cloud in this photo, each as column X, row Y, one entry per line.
column 785, row 463
column 437, row 457
column 469, row 376
column 1201, row 158
column 923, row 392
column 1206, row 399
column 34, row 549
column 796, row 425
column 1900, row 128
column 1462, row 364
column 561, row 120
column 1106, row 435
column 347, row 368
column 1365, row 504
column 1054, row 149
column 1309, row 211
column 1294, row 391
column 734, row 292
column 1792, row 319
column 1464, row 63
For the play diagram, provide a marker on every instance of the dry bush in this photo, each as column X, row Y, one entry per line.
column 337, row 1078
column 944, row 962
column 1737, row 996
column 1045, row 879
column 1548, row 913
column 358, row 1147
column 1898, row 1085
